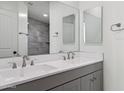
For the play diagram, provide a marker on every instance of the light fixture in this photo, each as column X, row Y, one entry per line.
column 22, row 15
column 45, row 15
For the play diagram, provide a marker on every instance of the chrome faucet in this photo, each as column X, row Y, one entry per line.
column 69, row 57
column 64, row 57
column 25, row 57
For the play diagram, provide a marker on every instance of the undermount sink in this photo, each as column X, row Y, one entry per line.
column 59, row 63
column 32, row 71
column 37, row 70
column 8, row 75
column 46, row 67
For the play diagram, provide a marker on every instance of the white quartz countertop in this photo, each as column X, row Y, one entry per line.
column 13, row 77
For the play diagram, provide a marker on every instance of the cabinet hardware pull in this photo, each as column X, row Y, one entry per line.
column 94, row 78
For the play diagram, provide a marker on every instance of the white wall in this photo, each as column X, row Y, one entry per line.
column 9, row 5
column 113, row 46
column 113, row 43
column 54, row 27
column 57, row 11
column 84, row 5
column 95, row 11
column 74, row 4
column 8, row 28
column 20, row 9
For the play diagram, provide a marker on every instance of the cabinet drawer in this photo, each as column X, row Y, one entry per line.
column 70, row 86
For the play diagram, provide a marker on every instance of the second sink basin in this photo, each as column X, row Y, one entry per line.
column 37, row 70
column 10, row 75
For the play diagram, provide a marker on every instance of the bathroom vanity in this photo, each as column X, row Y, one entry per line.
column 87, row 78
column 51, row 29
column 83, row 78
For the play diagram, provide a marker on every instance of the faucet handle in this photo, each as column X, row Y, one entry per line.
column 61, row 51
column 23, row 64
column 64, row 57
column 32, row 62
column 14, row 65
column 73, row 54
column 26, row 57
column 73, row 57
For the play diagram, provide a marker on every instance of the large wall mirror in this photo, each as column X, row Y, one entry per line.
column 93, row 26
column 37, row 28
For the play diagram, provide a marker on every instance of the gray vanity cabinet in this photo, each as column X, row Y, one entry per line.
column 97, row 81
column 72, row 86
column 86, row 83
column 59, row 88
column 86, row 78
column 92, row 82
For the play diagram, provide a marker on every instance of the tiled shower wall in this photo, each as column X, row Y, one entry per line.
column 38, row 40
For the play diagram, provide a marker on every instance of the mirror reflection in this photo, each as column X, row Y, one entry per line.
column 92, row 26
column 69, row 29
column 8, row 32
column 38, row 28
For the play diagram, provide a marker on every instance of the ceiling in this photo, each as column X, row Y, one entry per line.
column 36, row 9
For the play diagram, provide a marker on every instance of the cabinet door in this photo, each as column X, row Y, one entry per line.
column 97, row 81
column 72, row 86
column 92, row 82
column 87, row 83
column 60, row 88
